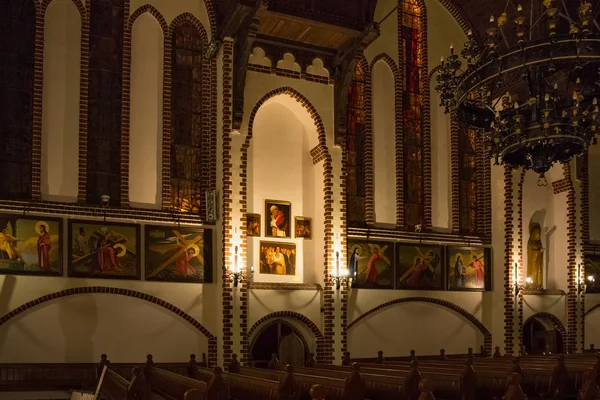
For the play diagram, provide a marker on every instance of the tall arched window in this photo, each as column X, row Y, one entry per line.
column 17, row 44
column 468, row 140
column 355, row 139
column 412, row 56
column 186, row 109
column 104, row 101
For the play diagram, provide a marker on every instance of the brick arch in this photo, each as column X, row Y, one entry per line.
column 398, row 127
column 78, row 3
column 555, row 320
column 147, row 8
column 458, row 16
column 597, row 306
column 190, row 19
column 263, row 322
column 324, row 354
column 212, row 340
column 487, row 335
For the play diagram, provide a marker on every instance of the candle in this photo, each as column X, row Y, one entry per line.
column 337, row 263
column 451, row 48
column 492, row 19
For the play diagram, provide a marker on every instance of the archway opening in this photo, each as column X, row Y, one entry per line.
column 282, row 339
column 540, row 336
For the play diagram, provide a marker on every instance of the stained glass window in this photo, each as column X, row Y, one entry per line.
column 412, row 52
column 467, row 145
column 104, row 101
column 186, row 108
column 355, row 180
column 17, row 44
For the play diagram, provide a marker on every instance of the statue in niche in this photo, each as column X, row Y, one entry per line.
column 535, row 256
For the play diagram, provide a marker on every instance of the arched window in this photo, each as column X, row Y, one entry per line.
column 355, row 139
column 469, row 172
column 17, row 44
column 412, row 56
column 104, row 101
column 186, row 110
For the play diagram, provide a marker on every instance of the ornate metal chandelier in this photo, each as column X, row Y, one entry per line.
column 532, row 87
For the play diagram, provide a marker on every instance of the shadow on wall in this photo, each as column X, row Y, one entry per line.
column 78, row 337
column 6, row 293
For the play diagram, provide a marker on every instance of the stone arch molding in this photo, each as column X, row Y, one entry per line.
column 487, row 335
column 116, row 291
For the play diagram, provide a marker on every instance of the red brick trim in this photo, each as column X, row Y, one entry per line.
column 509, row 306
column 84, row 71
column 458, row 16
column 212, row 18
column 227, row 200
column 487, row 335
column 585, row 232
column 327, row 353
column 521, row 266
column 398, row 140
column 571, row 262
column 287, row 314
column 455, row 172
column 38, row 83
column 555, row 320
column 126, row 95
column 561, row 185
column 368, row 144
column 212, row 340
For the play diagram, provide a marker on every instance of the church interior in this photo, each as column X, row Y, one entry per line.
column 427, row 161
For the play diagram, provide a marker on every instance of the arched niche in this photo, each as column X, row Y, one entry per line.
column 145, row 156
column 60, row 111
column 281, row 167
column 282, row 337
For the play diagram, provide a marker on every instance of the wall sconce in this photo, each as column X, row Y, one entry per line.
column 237, row 276
column 581, row 284
column 105, row 199
column 518, row 286
column 341, row 276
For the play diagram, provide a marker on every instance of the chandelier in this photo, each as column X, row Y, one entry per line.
column 531, row 87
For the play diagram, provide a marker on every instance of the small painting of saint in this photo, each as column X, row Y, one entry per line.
column 303, row 228
column 253, row 225
column 277, row 219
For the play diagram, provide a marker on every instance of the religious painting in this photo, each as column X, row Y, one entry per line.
column 469, row 268
column 420, row 267
column 592, row 273
column 178, row 254
column 253, row 225
column 277, row 258
column 277, row 219
column 104, row 250
column 303, row 227
column 30, row 245
column 371, row 263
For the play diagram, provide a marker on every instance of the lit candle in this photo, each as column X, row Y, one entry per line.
column 235, row 260
column 470, row 33
column 492, row 19
column 337, row 263
column 519, row 8
column 442, row 59
column 451, row 48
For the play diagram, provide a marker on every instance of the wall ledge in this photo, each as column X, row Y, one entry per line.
column 543, row 292
column 283, row 286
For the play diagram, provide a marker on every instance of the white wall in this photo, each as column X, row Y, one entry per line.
column 535, row 209
column 305, row 302
column 395, row 331
column 145, row 154
column 384, row 143
column 553, row 304
column 592, row 329
column 60, row 116
column 80, row 328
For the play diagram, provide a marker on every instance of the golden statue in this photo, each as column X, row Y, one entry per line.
column 535, row 256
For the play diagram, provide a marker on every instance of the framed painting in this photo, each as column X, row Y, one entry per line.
column 277, row 219
column 104, row 250
column 371, row 263
column 420, row 267
column 469, row 268
column 253, row 225
column 277, row 258
column 303, row 227
column 592, row 273
column 30, row 245
column 178, row 254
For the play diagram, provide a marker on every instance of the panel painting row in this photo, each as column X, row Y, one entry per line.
column 110, row 250
column 389, row 265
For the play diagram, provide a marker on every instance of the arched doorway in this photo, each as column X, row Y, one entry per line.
column 281, row 338
column 540, row 334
